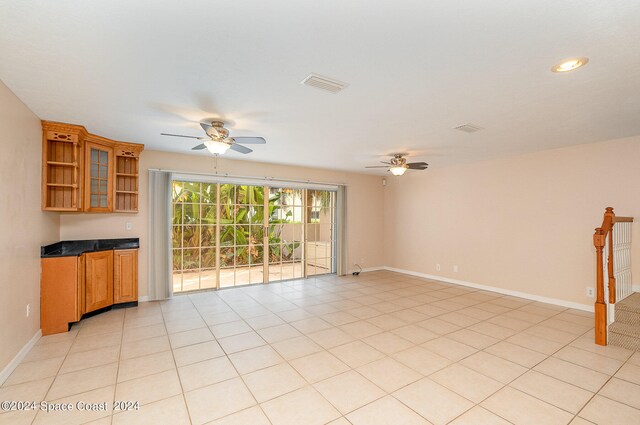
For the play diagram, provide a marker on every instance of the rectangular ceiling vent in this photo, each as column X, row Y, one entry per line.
column 469, row 128
column 324, row 83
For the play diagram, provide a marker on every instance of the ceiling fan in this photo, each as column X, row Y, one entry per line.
column 218, row 141
column 398, row 165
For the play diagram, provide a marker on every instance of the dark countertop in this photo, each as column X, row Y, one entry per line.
column 75, row 248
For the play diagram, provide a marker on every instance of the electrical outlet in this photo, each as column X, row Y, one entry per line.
column 437, row 267
column 590, row 292
column 455, row 269
column 128, row 225
column 28, row 310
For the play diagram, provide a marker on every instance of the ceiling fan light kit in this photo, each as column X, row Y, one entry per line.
column 398, row 165
column 216, row 147
column 218, row 141
column 399, row 170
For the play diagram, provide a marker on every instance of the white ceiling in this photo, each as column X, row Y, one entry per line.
column 130, row 70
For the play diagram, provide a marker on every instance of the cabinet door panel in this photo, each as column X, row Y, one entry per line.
column 98, row 178
column 98, row 280
column 58, row 294
column 126, row 276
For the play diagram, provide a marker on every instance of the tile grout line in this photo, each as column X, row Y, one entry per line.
column 183, row 393
column 234, row 367
column 58, row 370
column 602, row 387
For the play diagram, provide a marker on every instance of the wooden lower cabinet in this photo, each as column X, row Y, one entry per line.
column 74, row 286
column 98, row 280
column 125, row 284
column 60, row 299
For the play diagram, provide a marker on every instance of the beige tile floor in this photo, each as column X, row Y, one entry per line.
column 381, row 348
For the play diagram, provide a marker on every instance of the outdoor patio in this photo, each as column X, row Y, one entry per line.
column 193, row 281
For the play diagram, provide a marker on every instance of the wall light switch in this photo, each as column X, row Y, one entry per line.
column 128, row 225
column 437, row 267
column 455, row 269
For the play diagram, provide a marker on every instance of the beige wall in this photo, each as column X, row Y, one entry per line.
column 521, row 223
column 24, row 228
column 365, row 205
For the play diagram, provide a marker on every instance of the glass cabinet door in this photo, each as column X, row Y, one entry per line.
column 99, row 160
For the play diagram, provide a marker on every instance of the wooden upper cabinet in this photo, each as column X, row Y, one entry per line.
column 98, row 280
column 126, row 178
column 61, row 168
column 86, row 172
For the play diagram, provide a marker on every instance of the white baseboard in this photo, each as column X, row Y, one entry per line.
column 9, row 368
column 365, row 269
column 143, row 299
column 635, row 288
column 372, row 269
column 554, row 301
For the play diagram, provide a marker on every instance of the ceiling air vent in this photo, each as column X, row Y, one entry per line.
column 324, row 83
column 468, row 128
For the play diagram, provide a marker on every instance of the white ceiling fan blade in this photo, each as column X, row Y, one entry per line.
column 181, row 135
column 250, row 140
column 239, row 148
column 210, row 130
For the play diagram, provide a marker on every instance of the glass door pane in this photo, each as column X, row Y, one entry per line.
column 98, row 178
column 241, row 235
column 286, row 225
column 320, row 232
column 193, row 235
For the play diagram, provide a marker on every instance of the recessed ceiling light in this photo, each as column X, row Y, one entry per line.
column 570, row 64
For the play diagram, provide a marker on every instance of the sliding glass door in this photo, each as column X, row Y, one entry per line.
column 226, row 234
column 286, row 227
column 320, row 232
column 241, row 234
column 193, row 232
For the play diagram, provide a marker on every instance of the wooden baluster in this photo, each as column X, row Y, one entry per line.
column 600, row 306
column 612, row 279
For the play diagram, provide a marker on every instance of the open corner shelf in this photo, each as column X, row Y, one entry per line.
column 126, row 184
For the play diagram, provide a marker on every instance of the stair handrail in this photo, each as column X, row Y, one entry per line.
column 599, row 241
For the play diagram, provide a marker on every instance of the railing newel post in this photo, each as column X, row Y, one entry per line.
column 600, row 306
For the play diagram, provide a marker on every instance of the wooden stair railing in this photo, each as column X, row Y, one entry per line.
column 599, row 240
